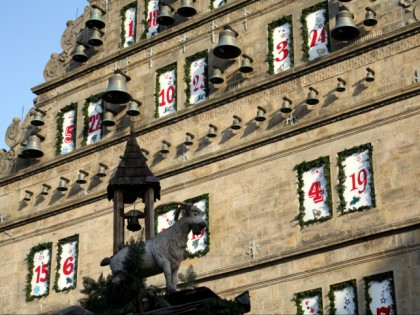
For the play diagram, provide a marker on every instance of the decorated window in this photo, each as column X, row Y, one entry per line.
column 280, row 45
column 308, row 302
column 343, row 298
column 39, row 266
column 355, row 179
column 315, row 32
column 214, row 4
column 165, row 91
column 128, row 24
column 151, row 12
column 66, row 273
column 66, row 129
column 197, row 245
column 314, row 190
column 380, row 294
column 92, row 111
column 196, row 77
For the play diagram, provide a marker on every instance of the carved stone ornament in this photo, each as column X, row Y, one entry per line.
column 6, row 161
column 14, row 133
column 54, row 67
column 406, row 3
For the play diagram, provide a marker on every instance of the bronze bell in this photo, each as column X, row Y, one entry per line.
column 81, row 178
column 246, row 66
column 217, row 76
column 212, row 131
column 132, row 217
column 62, row 185
column 227, row 48
column 189, row 139
column 45, row 189
column 370, row 77
column 341, row 86
column 133, row 109
column 80, row 54
column 28, row 195
column 165, row 15
column 109, row 120
column 344, row 29
column 33, row 149
column 37, row 119
column 116, row 92
column 96, row 18
column 286, row 107
column 186, row 9
column 312, row 99
column 370, row 17
column 165, row 147
column 260, row 114
column 102, row 170
column 96, row 38
column 236, row 125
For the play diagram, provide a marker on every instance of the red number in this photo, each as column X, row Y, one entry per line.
column 316, row 192
column 198, row 236
column 282, row 51
column 314, row 36
column 68, row 266
column 94, row 122
column 383, row 310
column 153, row 18
column 130, row 28
column 170, row 95
column 196, row 84
column 361, row 180
column 41, row 270
column 68, row 135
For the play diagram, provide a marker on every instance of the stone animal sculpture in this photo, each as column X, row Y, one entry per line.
column 165, row 251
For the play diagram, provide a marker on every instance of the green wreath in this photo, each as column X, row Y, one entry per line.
column 60, row 121
column 74, row 238
column 187, row 74
column 270, row 28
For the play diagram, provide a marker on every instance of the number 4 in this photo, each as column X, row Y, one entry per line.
column 315, row 192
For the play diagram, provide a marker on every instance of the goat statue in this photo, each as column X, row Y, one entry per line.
column 165, row 251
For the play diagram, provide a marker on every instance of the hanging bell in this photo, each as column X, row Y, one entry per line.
column 165, row 15
column 81, row 178
column 370, row 17
column 260, row 114
column 62, row 185
column 341, row 86
column 33, row 149
column 102, row 170
column 96, row 18
column 109, row 120
column 165, row 147
column 344, row 29
column 28, row 195
column 186, row 9
column 246, row 66
column 286, row 107
column 236, row 125
column 370, row 77
column 133, row 109
column 227, row 48
column 212, row 131
column 312, row 99
column 45, row 189
column 116, row 92
column 189, row 139
column 217, row 76
column 37, row 119
column 96, row 38
column 80, row 54
column 132, row 217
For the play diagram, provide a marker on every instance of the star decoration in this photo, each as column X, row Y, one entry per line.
column 347, row 301
column 383, row 300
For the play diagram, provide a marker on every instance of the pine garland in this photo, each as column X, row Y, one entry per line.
column 187, row 74
column 304, row 29
column 30, row 261
column 342, row 177
column 379, row 278
column 302, row 168
column 70, row 239
column 298, row 297
column 270, row 28
column 60, row 121
column 89, row 100
column 160, row 71
column 341, row 286
column 122, row 15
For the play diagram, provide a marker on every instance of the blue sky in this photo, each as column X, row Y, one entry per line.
column 30, row 31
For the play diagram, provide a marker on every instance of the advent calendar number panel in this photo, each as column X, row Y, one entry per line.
column 129, row 25
column 281, row 55
column 67, row 257
column 39, row 267
column 343, row 298
column 166, row 90
column 152, row 15
column 197, row 78
column 309, row 302
column 94, row 112
column 315, row 25
column 380, row 292
column 68, row 129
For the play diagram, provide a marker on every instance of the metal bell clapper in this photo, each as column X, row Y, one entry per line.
column 312, row 99
column 165, row 15
column 186, row 9
column 133, row 109
column 260, row 114
column 246, row 66
column 227, row 47
column 117, row 93
column 217, row 76
column 189, row 139
column 95, row 19
column 286, row 107
column 236, row 124
column 344, row 29
column 37, row 119
column 80, row 54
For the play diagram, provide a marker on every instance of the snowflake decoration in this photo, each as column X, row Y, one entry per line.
column 36, row 290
